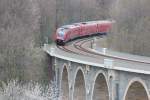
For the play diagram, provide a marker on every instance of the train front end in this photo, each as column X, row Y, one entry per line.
column 60, row 37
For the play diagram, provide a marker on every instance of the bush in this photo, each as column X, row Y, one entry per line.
column 15, row 90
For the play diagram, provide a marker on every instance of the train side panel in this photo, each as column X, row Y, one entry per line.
column 92, row 29
column 104, row 27
column 75, row 32
column 88, row 29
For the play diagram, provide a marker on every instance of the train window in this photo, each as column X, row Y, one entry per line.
column 75, row 24
column 61, row 33
column 66, row 28
column 84, row 23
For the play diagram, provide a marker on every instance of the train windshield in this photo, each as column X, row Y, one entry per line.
column 61, row 32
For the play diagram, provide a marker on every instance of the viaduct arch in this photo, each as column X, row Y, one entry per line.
column 136, row 90
column 64, row 88
column 79, row 92
column 100, row 89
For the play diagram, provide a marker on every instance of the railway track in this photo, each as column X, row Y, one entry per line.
column 66, row 49
column 120, row 58
column 78, row 44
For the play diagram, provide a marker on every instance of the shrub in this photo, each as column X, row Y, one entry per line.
column 15, row 90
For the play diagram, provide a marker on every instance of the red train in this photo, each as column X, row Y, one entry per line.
column 82, row 29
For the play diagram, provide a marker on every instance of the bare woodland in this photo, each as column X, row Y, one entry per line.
column 131, row 32
column 25, row 25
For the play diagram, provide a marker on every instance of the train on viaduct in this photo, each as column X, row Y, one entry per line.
column 84, row 72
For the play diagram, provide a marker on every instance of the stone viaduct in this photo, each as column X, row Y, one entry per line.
column 79, row 79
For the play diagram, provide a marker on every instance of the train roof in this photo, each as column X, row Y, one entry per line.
column 94, row 22
column 66, row 27
column 70, row 26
